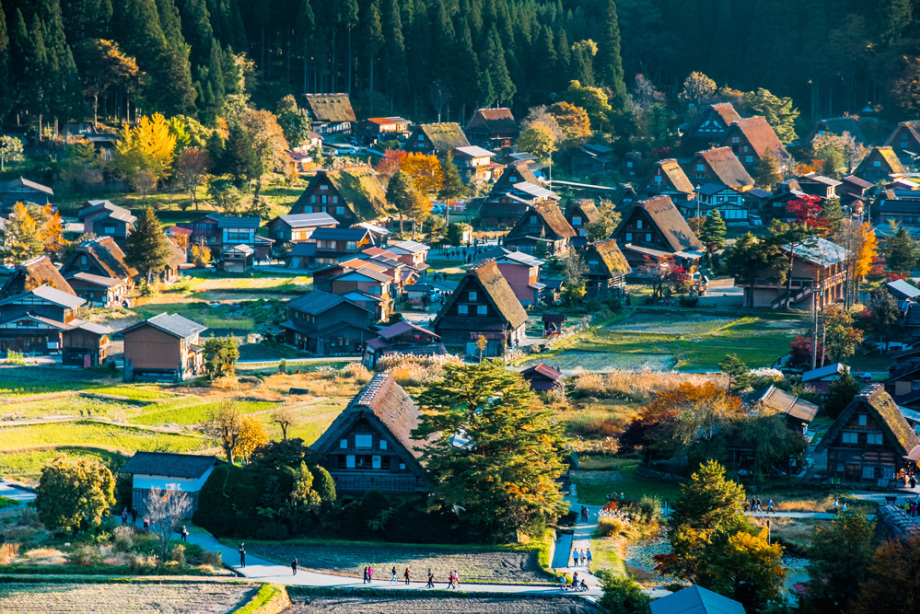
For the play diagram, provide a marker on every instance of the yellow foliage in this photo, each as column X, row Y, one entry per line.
column 425, row 171
column 252, row 435
column 148, row 146
column 866, row 249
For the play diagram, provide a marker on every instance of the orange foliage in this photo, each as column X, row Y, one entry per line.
column 391, row 163
column 425, row 171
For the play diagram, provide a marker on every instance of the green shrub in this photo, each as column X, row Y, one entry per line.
column 213, row 559
column 611, row 525
column 85, row 556
column 622, row 595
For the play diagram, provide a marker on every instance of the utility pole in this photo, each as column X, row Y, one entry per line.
column 814, row 336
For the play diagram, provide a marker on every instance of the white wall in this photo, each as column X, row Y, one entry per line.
column 147, row 482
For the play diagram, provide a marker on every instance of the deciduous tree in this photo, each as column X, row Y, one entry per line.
column 192, row 166
column 841, row 338
column 285, row 417
column 698, row 90
column 220, row 356
column 10, row 150
column 425, row 172
column 148, row 146
column 539, row 140
column 893, row 584
column 294, row 121
column 608, row 218
column 166, row 508
column 498, row 450
column 74, row 495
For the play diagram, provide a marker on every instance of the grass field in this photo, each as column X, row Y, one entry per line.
column 133, row 597
column 107, row 436
column 194, row 413
column 27, row 466
column 682, row 340
column 622, row 477
column 312, row 420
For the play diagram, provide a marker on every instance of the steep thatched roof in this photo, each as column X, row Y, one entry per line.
column 105, row 252
column 486, row 275
column 333, row 108
column 361, row 188
column 665, row 216
column 34, row 273
column 495, row 121
column 676, row 175
column 610, row 260
column 445, row 137
column 762, row 137
column 877, row 403
column 726, row 166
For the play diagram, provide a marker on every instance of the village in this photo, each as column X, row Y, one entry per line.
column 600, row 349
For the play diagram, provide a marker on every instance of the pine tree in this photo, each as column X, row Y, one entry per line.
column 372, row 38
column 146, row 248
column 405, row 197
column 713, row 230
column 503, row 87
column 349, row 16
column 768, row 174
column 451, row 183
column 394, row 52
column 608, row 60
column 6, row 83
column 197, row 31
column 901, row 253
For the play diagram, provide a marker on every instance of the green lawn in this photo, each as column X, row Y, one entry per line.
column 108, row 436
column 682, row 340
column 593, row 487
column 27, row 466
column 312, row 421
column 195, row 413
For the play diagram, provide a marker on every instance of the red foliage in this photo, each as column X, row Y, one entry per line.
column 800, row 352
column 807, row 210
column 391, row 162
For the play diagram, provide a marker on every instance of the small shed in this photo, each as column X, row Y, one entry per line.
column 819, row 380
column 85, row 345
column 237, row 259
column 167, row 471
column 696, row 600
column 902, row 290
column 553, row 323
column 542, row 377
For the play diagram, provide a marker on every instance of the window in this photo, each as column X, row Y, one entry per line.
column 629, row 164
column 109, row 230
column 351, row 245
column 364, row 441
column 876, row 164
column 383, row 444
column 335, row 200
column 324, row 187
column 862, row 419
column 648, row 238
column 576, row 221
column 402, row 466
column 481, row 310
column 638, row 223
column 657, row 178
column 463, row 309
column 313, row 198
column 748, row 158
column 699, row 167
column 868, row 472
column 324, row 199
column 471, row 296
column 340, row 210
column 83, row 260
column 375, row 462
column 851, row 438
column 736, row 140
column 874, row 439
column 629, row 236
column 343, row 443
column 533, row 219
column 350, row 461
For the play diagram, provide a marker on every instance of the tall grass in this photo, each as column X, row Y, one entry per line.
column 91, row 434
column 413, row 370
column 634, row 386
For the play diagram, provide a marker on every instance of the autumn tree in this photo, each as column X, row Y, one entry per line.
column 861, row 245
column 239, row 434
column 575, row 269
column 698, row 90
column 10, row 150
column 146, row 248
column 838, row 561
column 294, row 121
column 192, row 167
column 893, row 582
column 269, row 146
column 539, row 140
column 573, row 121
column 391, row 163
column 220, row 356
column 498, row 450
column 425, row 172
column 148, row 146
column 901, row 253
column 841, row 338
column 884, row 315
column 74, row 495
column 23, row 236
column 285, row 417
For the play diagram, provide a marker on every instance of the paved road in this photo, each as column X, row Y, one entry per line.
column 267, row 571
column 17, row 494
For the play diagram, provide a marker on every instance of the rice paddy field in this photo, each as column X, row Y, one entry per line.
column 663, row 340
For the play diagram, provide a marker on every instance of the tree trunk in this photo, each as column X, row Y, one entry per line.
column 372, row 88
column 349, row 61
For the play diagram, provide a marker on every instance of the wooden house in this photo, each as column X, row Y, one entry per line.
column 100, row 291
column 234, row 230
column 327, row 324
column 322, row 278
column 186, row 473
column 204, row 230
column 715, row 196
column 669, row 179
column 376, row 129
column 750, row 139
column 412, row 253
column 580, row 214
column 818, row 185
column 592, row 159
column 516, row 192
column 329, row 245
column 330, row 113
column 436, row 139
column 402, row 338
column 798, row 412
column 369, row 446
column 100, row 257
column 543, row 378
column 103, row 219
column 38, row 271
column 164, row 347
column 349, row 195
column 493, row 128
column 237, row 258
column 85, row 344
column 719, row 165
column 654, row 229
column 22, row 190
column 879, row 165
column 475, row 164
column 905, row 141
column 482, row 305
column 607, row 269
column 32, row 322
column 819, row 380
column 366, row 287
column 542, row 231
column 298, row 228
column 710, row 127
column 522, row 272
column 855, row 193
column 818, row 274
column 870, row 441
column 174, row 261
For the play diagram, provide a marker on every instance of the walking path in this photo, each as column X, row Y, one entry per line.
column 266, row 571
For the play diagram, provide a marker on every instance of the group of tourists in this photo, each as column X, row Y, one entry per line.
column 756, row 505
column 576, row 585
column 580, row 555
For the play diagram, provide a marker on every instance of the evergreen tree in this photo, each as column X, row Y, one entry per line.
column 451, row 183
column 197, row 31
column 6, row 83
column 372, row 39
column 394, row 52
column 901, row 253
column 401, row 191
column 713, row 230
column 503, row 87
column 608, row 60
column 768, row 174
column 146, row 248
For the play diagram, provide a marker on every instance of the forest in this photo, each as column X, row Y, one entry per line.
column 71, row 59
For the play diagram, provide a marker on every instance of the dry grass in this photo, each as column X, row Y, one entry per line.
column 416, row 370
column 612, row 525
column 635, row 386
column 8, row 552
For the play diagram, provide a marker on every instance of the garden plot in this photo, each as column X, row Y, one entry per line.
column 127, row 598
column 500, row 566
column 689, row 324
column 447, row 605
column 99, row 435
column 63, row 406
column 27, row 466
column 588, row 360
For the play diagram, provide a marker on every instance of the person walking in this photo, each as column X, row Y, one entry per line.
column 450, row 580
column 370, row 574
column 836, row 506
column 406, row 574
column 770, row 506
column 393, row 579
column 146, row 525
column 575, row 557
column 294, row 566
column 430, row 579
column 242, row 551
column 365, row 576
column 124, row 516
column 590, row 558
column 456, row 579
column 563, row 583
column 575, row 580
column 184, row 533
column 584, row 560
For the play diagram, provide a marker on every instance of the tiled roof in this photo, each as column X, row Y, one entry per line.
column 316, row 302
column 820, row 251
column 338, row 234
column 238, row 222
column 411, row 247
column 108, row 282
column 696, row 600
column 189, row 466
column 174, row 324
column 22, row 182
column 307, row 220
